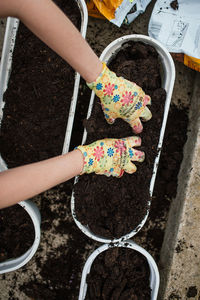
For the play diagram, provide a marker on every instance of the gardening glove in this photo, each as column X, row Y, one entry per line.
column 111, row 156
column 121, row 98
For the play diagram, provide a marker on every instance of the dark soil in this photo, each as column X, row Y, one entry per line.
column 174, row 4
column 62, row 270
column 166, row 181
column 113, row 207
column 80, row 114
column 37, row 99
column 64, row 262
column 119, row 273
column 16, row 232
column 150, row 237
column 192, row 292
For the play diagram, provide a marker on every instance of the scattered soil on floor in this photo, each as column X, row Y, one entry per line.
column 38, row 98
column 192, row 292
column 60, row 273
column 119, row 273
column 16, row 232
column 113, row 207
column 55, row 206
column 41, row 283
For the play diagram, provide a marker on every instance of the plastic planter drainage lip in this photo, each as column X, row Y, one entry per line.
column 154, row 274
column 14, row 264
column 168, row 78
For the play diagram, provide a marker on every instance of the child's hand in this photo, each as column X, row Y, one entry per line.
column 121, row 98
column 111, row 156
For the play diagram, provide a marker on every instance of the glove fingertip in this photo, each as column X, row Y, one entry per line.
column 130, row 168
column 110, row 121
column 146, row 115
column 139, row 156
column 137, row 128
column 147, row 100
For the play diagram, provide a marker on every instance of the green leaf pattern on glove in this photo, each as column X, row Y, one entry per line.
column 121, row 98
column 111, row 156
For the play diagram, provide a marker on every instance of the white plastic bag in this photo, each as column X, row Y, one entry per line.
column 177, row 29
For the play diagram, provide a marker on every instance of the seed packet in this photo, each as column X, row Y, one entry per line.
column 176, row 24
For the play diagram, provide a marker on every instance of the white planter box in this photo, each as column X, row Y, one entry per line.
column 6, row 67
column 14, row 264
column 5, row 71
column 154, row 274
column 168, row 77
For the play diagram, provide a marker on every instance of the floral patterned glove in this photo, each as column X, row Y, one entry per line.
column 111, row 156
column 121, row 98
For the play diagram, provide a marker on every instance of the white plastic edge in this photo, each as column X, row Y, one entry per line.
column 5, row 66
column 98, row 238
column 84, row 17
column 154, row 273
column 168, row 78
column 14, row 264
column 5, row 70
column 29, row 206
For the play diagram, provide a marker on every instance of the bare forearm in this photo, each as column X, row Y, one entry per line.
column 52, row 26
column 27, row 181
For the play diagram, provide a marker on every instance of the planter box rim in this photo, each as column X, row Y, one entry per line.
column 16, row 263
column 168, row 78
column 6, row 67
column 154, row 273
column 5, row 71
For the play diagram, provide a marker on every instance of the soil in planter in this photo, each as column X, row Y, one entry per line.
column 81, row 113
column 119, row 274
column 58, row 267
column 41, row 283
column 38, row 98
column 16, row 232
column 166, row 181
column 112, row 207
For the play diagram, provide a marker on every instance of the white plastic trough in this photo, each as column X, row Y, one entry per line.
column 168, row 78
column 6, row 67
column 5, row 70
column 13, row 264
column 154, row 274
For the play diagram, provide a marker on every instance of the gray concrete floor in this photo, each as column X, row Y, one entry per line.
column 99, row 34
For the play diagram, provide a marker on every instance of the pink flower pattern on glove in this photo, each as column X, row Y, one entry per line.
column 121, row 98
column 111, row 157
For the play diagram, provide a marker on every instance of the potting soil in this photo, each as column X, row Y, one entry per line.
column 38, row 98
column 58, row 275
column 16, row 232
column 119, row 273
column 113, row 207
column 39, row 278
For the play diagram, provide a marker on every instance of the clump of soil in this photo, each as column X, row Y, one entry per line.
column 16, row 232
column 58, row 276
column 113, row 207
column 174, row 4
column 192, row 292
column 38, row 98
column 119, row 273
